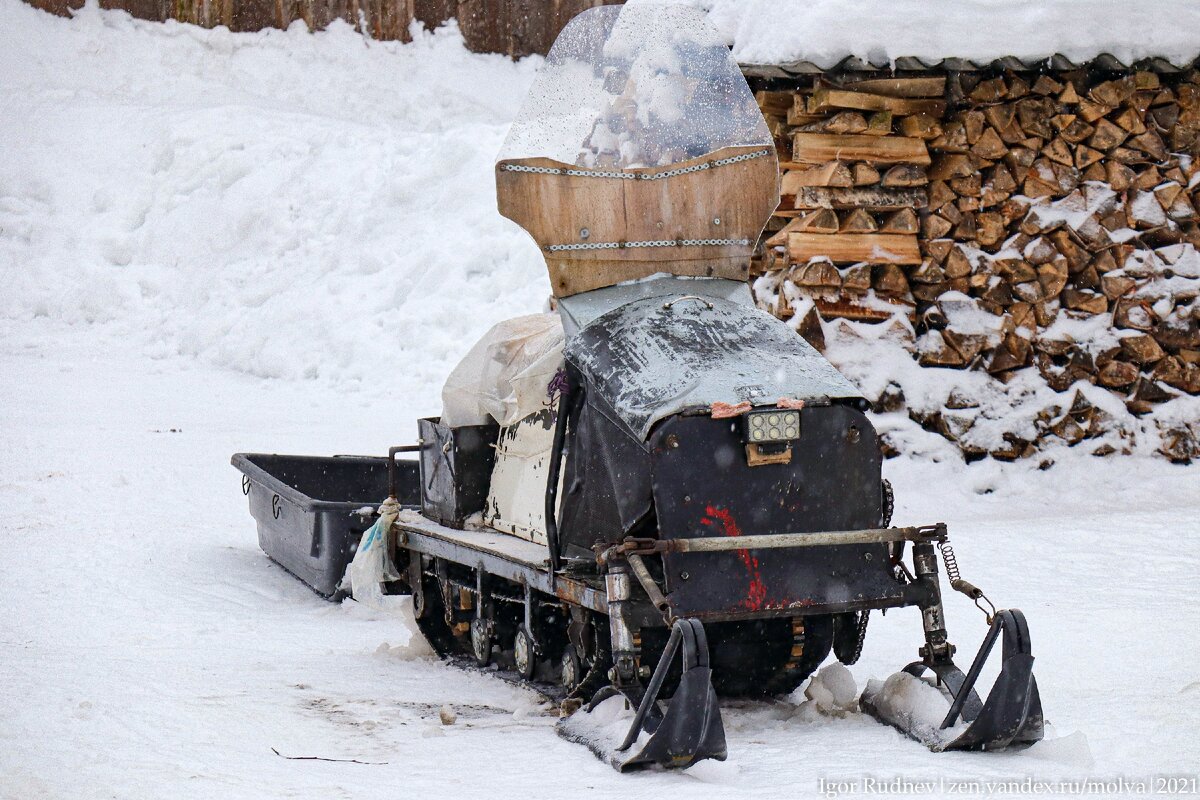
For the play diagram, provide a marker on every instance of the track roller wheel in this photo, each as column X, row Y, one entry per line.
column 571, row 671
column 524, row 655
column 481, row 641
column 430, row 610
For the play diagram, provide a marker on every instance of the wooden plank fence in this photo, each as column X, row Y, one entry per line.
column 513, row 27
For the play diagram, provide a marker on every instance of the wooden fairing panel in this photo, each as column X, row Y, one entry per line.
column 704, row 487
column 730, row 201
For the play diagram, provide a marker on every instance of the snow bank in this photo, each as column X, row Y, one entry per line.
column 827, row 31
column 278, row 203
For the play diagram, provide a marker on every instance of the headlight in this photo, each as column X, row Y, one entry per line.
column 772, row 425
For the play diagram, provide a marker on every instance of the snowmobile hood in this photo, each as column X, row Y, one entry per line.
column 658, row 356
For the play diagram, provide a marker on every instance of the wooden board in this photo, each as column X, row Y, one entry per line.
column 843, row 308
column 817, row 148
column 853, row 248
column 834, row 173
column 826, row 99
column 731, row 201
column 860, row 197
column 774, row 102
column 934, row 86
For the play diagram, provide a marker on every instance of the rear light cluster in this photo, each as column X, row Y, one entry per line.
column 772, row 425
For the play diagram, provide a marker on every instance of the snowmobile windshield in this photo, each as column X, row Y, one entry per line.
column 643, row 85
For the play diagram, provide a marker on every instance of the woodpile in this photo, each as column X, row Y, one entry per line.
column 1056, row 212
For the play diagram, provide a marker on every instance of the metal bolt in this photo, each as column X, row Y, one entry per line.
column 673, row 441
column 584, row 233
column 853, row 435
column 684, row 576
column 716, row 220
column 867, row 556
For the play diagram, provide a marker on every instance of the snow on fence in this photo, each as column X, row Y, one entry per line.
column 513, row 27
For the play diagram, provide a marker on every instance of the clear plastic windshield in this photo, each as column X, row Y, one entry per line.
column 642, row 85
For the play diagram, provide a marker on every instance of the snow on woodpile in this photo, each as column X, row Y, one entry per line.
column 826, row 31
column 1008, row 258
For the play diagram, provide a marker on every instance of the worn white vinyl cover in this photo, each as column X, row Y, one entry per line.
column 506, row 375
column 516, row 501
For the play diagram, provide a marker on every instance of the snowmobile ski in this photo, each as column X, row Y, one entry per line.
column 1010, row 717
column 1012, row 713
column 688, row 731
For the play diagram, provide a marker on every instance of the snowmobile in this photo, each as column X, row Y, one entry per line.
column 660, row 492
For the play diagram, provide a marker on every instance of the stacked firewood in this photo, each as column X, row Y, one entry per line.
column 1057, row 213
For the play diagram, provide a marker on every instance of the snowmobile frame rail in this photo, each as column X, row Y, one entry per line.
column 514, row 562
column 528, row 564
column 712, row 544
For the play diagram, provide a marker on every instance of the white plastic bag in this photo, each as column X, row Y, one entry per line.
column 372, row 565
column 506, row 374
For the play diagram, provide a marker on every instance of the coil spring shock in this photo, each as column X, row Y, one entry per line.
column 951, row 562
column 959, row 585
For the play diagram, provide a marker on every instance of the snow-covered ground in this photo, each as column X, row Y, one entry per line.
column 281, row 204
column 213, row 243
column 151, row 650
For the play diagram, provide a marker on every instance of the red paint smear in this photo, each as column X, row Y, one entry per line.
column 757, row 594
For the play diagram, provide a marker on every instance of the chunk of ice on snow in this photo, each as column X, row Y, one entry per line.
column 833, row 690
